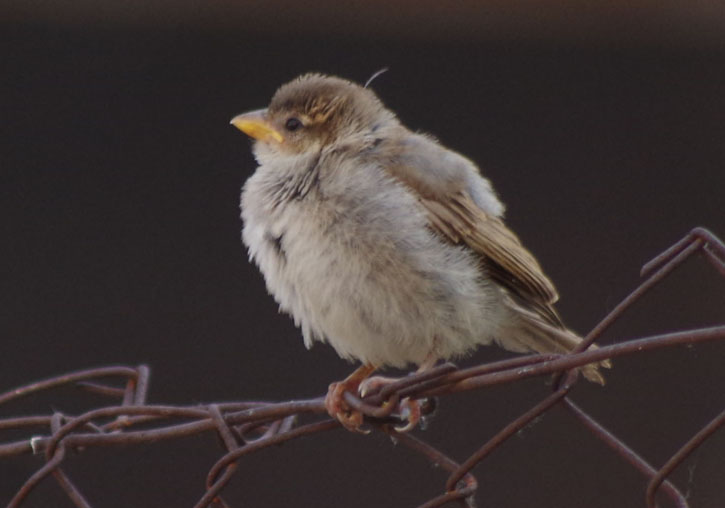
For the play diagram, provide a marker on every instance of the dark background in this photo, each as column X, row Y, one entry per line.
column 602, row 127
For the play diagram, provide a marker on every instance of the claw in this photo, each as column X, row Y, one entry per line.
column 374, row 384
column 410, row 411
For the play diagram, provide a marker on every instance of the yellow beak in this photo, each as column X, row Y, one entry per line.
column 255, row 125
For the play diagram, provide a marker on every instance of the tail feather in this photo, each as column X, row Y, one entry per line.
column 529, row 333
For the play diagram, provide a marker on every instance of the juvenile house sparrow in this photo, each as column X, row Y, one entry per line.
column 382, row 242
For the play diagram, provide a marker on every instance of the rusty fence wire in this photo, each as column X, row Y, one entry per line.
column 247, row 427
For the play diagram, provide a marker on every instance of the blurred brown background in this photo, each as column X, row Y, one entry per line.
column 601, row 124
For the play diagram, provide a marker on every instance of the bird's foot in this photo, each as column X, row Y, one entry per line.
column 409, row 409
column 340, row 410
column 335, row 404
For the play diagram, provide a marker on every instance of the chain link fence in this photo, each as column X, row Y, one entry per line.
column 245, row 428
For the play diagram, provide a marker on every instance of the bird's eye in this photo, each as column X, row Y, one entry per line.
column 292, row 124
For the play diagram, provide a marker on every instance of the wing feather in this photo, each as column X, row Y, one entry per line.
column 444, row 182
column 460, row 220
column 457, row 218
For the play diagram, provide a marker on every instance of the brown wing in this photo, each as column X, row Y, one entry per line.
column 460, row 220
column 438, row 177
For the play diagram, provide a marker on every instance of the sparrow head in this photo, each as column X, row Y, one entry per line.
column 314, row 111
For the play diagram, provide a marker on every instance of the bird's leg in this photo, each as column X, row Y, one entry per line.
column 336, row 405
column 409, row 408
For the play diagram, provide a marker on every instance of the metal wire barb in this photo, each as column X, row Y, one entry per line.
column 247, row 427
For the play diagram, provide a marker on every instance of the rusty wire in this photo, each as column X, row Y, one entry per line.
column 247, row 427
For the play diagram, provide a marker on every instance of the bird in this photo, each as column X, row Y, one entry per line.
column 383, row 243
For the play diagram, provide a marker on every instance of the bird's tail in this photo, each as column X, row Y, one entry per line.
column 528, row 332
